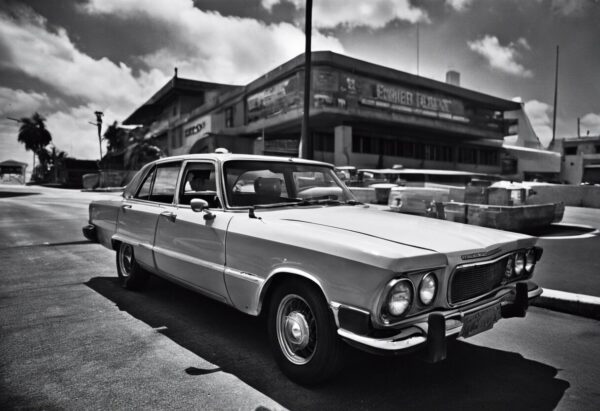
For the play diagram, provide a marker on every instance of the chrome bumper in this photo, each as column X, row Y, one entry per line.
column 89, row 232
column 419, row 333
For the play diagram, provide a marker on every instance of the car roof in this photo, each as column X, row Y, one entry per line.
column 224, row 157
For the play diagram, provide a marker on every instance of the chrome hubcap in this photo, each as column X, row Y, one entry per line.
column 126, row 259
column 296, row 329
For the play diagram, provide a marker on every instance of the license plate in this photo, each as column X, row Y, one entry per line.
column 480, row 321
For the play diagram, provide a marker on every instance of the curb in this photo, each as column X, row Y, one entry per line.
column 571, row 303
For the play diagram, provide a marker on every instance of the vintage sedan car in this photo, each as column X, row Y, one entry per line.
column 285, row 237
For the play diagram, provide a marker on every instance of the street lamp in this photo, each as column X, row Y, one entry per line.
column 98, row 124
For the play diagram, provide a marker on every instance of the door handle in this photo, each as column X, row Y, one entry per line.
column 169, row 215
column 124, row 206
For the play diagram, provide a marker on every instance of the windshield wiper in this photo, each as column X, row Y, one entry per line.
column 321, row 201
column 275, row 205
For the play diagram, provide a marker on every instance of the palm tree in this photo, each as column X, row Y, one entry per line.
column 115, row 137
column 33, row 134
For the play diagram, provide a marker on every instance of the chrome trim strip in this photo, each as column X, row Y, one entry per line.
column 244, row 276
column 147, row 246
column 407, row 338
column 335, row 307
column 188, row 259
column 398, row 342
column 486, row 262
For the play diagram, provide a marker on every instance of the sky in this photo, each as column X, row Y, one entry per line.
column 66, row 59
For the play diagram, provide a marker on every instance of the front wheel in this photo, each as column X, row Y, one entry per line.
column 131, row 275
column 302, row 333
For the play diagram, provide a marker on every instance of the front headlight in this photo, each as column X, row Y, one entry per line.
column 400, row 298
column 530, row 260
column 519, row 263
column 427, row 288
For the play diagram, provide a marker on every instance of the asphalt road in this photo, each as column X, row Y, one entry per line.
column 72, row 338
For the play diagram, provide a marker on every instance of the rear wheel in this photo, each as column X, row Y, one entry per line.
column 302, row 333
column 131, row 275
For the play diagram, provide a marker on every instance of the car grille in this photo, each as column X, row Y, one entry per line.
column 472, row 281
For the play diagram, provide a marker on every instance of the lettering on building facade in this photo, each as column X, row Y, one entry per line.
column 397, row 95
column 195, row 129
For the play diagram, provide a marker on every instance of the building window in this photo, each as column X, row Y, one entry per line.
column 488, row 157
column 570, row 151
column 229, row 117
column 467, row 155
column 323, row 142
column 397, row 148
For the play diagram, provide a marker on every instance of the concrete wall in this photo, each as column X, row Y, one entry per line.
column 571, row 195
column 572, row 170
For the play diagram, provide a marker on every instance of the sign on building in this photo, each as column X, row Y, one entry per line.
column 197, row 128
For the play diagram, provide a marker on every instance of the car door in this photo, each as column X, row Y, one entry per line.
column 139, row 214
column 189, row 247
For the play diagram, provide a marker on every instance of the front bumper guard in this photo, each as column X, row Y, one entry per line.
column 438, row 326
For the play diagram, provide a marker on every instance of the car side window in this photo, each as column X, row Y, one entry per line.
column 144, row 191
column 163, row 189
column 199, row 181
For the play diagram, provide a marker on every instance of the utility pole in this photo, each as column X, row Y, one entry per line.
column 555, row 100
column 98, row 124
column 418, row 48
column 306, row 141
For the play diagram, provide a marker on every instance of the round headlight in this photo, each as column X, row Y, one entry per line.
column 427, row 288
column 400, row 298
column 519, row 263
column 530, row 260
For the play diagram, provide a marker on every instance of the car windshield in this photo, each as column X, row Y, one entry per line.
column 270, row 183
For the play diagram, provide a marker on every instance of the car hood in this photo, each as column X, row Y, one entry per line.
column 422, row 232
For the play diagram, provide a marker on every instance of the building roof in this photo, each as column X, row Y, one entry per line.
column 581, row 140
column 12, row 163
column 329, row 58
column 175, row 86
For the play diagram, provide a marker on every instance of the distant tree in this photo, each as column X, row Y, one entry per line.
column 33, row 134
column 115, row 137
column 51, row 162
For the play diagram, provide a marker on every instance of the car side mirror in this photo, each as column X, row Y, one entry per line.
column 199, row 205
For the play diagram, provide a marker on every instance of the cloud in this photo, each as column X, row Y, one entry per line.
column 69, row 126
column 19, row 103
column 72, row 132
column 590, row 122
column 539, row 117
column 209, row 46
column 353, row 13
column 459, row 5
column 52, row 58
column 574, row 8
column 204, row 45
column 501, row 58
